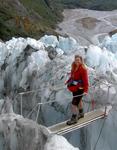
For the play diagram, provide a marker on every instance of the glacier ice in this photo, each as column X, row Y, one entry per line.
column 59, row 143
column 36, row 70
column 110, row 43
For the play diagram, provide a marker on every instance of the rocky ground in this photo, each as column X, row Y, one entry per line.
column 87, row 26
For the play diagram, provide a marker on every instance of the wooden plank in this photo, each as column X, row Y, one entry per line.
column 89, row 117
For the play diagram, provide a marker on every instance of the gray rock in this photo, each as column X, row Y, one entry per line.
column 51, row 52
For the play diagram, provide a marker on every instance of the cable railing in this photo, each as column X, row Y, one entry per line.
column 38, row 105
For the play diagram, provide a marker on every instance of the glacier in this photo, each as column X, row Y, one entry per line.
column 18, row 133
column 29, row 73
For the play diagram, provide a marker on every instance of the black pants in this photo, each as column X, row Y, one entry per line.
column 76, row 100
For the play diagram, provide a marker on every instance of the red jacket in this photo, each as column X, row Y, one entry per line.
column 82, row 75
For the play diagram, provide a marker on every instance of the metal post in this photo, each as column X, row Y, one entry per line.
column 108, row 92
column 105, row 111
column 21, row 106
column 38, row 112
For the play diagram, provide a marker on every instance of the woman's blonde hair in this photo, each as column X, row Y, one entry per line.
column 74, row 66
column 78, row 56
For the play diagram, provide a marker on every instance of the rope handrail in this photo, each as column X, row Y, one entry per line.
column 47, row 102
column 100, row 133
column 32, row 91
column 52, row 88
column 39, row 104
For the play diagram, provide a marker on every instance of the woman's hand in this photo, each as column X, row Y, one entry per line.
column 85, row 93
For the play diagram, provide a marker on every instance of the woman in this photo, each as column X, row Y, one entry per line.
column 78, row 85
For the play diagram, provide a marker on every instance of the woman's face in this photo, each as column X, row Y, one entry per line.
column 78, row 60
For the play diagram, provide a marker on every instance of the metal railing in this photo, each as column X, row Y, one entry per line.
column 38, row 105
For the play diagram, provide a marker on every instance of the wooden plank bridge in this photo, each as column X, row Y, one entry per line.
column 62, row 128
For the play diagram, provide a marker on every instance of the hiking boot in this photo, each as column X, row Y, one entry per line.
column 73, row 120
column 81, row 115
